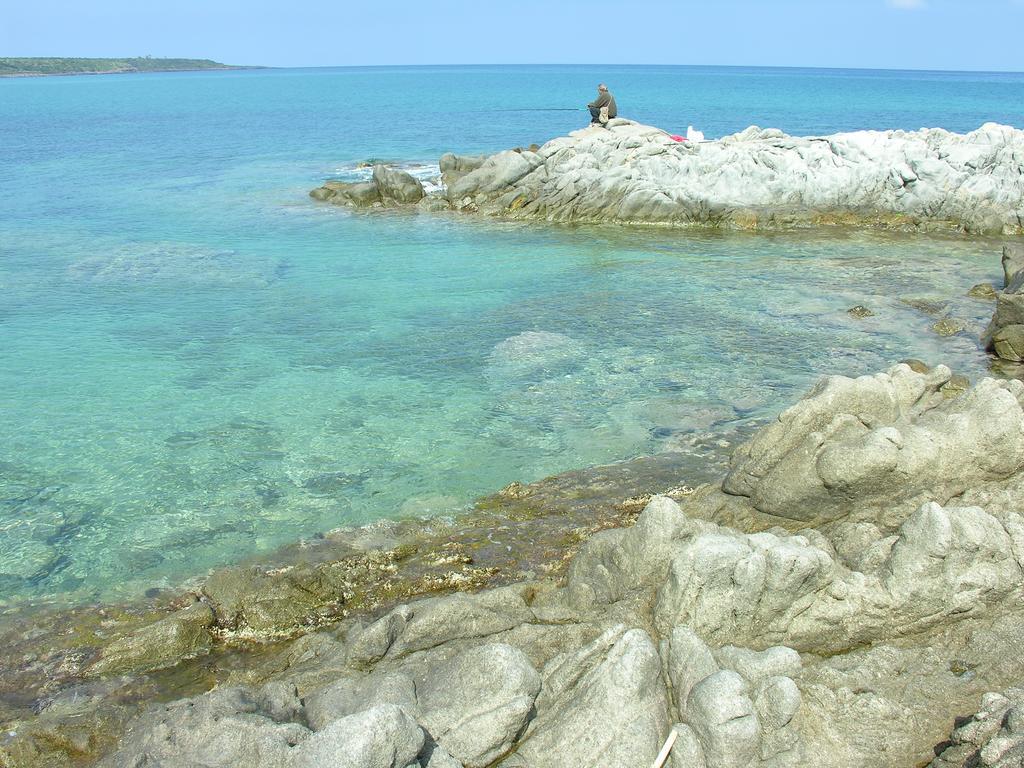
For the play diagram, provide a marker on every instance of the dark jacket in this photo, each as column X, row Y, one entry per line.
column 605, row 99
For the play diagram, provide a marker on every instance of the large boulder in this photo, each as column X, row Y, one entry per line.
column 347, row 696
column 221, row 729
column 1013, row 261
column 382, row 737
column 477, row 704
column 882, row 439
column 454, row 167
column 397, row 186
column 603, row 705
column 946, row 565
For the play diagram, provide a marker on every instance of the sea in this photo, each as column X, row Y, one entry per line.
column 200, row 364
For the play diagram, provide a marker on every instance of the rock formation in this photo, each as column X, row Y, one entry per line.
column 1005, row 334
column 387, row 187
column 632, row 173
column 841, row 598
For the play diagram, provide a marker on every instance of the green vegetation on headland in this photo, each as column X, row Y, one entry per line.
column 27, row 67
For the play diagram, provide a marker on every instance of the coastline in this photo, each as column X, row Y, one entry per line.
column 609, row 559
column 128, row 71
column 522, row 531
column 579, row 505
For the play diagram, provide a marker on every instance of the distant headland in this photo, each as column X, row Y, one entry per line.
column 38, row 67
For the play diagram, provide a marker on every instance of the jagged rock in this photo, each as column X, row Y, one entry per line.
column 852, row 642
column 182, row 635
column 358, row 194
column 496, row 173
column 1004, row 335
column 382, row 737
column 603, row 705
column 860, row 312
column 620, row 561
column 371, row 643
column 388, row 186
column 440, row 620
column 476, row 705
column 946, row 565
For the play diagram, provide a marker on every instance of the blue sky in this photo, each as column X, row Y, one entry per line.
column 913, row 34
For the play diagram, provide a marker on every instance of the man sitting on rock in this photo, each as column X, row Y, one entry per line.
column 603, row 108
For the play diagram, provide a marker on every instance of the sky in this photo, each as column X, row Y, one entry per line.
column 898, row 34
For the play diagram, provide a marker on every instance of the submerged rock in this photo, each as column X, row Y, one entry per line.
column 860, row 312
column 985, row 291
column 182, row 635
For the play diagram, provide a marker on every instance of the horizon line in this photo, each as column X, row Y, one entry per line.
column 549, row 64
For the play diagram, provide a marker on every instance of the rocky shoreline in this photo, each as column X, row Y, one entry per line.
column 71, row 678
column 929, row 180
column 849, row 589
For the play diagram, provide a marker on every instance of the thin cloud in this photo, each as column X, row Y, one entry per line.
column 908, row 5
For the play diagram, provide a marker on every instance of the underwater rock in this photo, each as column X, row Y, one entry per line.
column 533, row 352
column 949, row 326
column 182, row 635
column 985, row 291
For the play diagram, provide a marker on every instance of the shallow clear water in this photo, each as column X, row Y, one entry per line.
column 199, row 363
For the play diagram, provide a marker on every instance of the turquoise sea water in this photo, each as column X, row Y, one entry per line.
column 199, row 363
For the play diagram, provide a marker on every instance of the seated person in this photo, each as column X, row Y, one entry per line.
column 603, row 107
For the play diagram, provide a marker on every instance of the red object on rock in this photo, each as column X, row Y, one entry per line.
column 676, row 138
